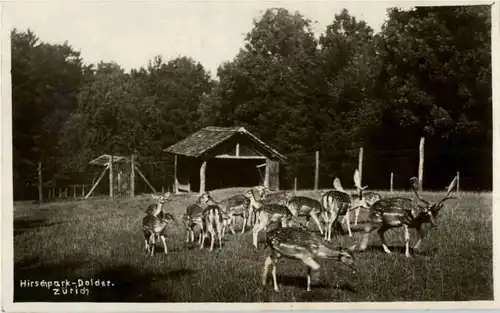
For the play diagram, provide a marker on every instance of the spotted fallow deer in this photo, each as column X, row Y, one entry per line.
column 303, row 245
column 154, row 227
column 267, row 214
column 397, row 212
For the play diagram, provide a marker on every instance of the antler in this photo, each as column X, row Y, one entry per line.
column 337, row 185
column 357, row 180
column 414, row 185
column 450, row 189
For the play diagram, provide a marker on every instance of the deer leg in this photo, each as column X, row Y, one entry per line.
column 164, row 243
column 192, row 234
column 407, row 241
column 312, row 265
column 259, row 225
column 275, row 261
column 421, row 234
column 267, row 263
column 356, row 214
column 381, row 232
column 366, row 236
column 348, row 223
column 316, row 220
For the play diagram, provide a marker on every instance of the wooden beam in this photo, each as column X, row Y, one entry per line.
column 144, row 177
column 392, row 181
column 237, row 149
column 421, row 164
column 176, row 181
column 266, row 175
column 241, row 157
column 203, row 168
column 97, row 182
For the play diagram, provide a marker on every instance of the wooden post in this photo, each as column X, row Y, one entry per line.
column 111, row 176
column 421, row 164
column 316, row 171
column 458, row 181
column 49, row 196
column 392, row 180
column 97, row 182
column 202, row 176
column 295, row 183
column 176, row 181
column 162, row 189
column 74, row 191
column 360, row 165
column 66, row 192
column 59, row 192
column 132, row 176
column 83, row 190
column 40, row 182
column 266, row 175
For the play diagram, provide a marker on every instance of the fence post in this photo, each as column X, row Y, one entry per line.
column 74, row 191
column 40, row 182
column 59, row 192
column 316, row 171
column 132, row 176
column 83, row 190
column 458, row 181
column 111, row 176
column 360, row 165
column 295, row 183
column 421, row 164
column 392, row 180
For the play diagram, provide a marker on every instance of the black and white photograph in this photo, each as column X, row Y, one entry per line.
column 310, row 154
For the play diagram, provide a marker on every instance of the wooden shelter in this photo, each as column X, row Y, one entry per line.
column 222, row 157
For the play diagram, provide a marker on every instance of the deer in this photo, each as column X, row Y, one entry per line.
column 301, row 244
column 191, row 218
column 404, row 212
column 266, row 197
column 370, row 198
column 211, row 225
column 154, row 227
column 308, row 207
column 157, row 208
column 267, row 214
column 237, row 205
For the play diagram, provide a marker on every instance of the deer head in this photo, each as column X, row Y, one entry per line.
column 161, row 198
column 431, row 210
column 205, row 197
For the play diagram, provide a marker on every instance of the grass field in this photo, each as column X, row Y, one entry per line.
column 102, row 239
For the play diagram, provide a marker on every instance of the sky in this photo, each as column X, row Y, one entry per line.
column 130, row 32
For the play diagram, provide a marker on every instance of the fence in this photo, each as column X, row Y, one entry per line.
column 380, row 169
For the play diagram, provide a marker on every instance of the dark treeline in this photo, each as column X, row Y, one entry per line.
column 426, row 73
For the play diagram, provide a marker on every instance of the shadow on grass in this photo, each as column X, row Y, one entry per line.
column 127, row 283
column 25, row 225
column 301, row 282
column 402, row 250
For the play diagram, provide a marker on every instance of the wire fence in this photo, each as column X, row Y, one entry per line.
column 380, row 170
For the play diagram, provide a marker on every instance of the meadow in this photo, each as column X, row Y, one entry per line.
column 102, row 239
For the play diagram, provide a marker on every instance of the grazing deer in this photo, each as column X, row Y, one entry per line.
column 211, row 225
column 370, row 198
column 303, row 245
column 237, row 205
column 267, row 214
column 156, row 209
column 192, row 218
column 403, row 212
column 154, row 228
column 308, row 207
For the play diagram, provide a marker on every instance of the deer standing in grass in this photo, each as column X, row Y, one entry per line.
column 192, row 218
column 211, row 225
column 308, row 207
column 231, row 207
column 153, row 228
column 267, row 214
column 266, row 197
column 303, row 245
column 338, row 203
column 156, row 209
column 397, row 212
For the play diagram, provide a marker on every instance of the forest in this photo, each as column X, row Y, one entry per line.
column 426, row 73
